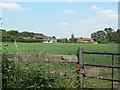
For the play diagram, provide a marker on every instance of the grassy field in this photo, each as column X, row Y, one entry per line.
column 59, row 48
column 71, row 49
column 66, row 49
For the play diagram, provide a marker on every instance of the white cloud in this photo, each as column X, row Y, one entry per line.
column 69, row 1
column 103, row 15
column 69, row 11
column 13, row 6
column 105, row 18
column 63, row 24
column 83, row 21
column 90, row 20
column 111, row 14
column 106, row 12
column 95, row 7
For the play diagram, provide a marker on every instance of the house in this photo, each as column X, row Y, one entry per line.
column 27, row 37
column 50, row 40
column 45, row 39
column 86, row 40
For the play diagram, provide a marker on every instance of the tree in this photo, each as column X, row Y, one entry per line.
column 5, row 36
column 59, row 40
column 54, row 37
column 109, row 34
column 98, row 36
column 13, row 32
column 9, row 36
column 108, row 30
column 118, row 35
column 105, row 36
column 72, row 36
column 73, row 39
column 20, row 37
column 65, row 40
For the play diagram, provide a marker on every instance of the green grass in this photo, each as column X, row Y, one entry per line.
column 59, row 48
column 67, row 49
column 71, row 49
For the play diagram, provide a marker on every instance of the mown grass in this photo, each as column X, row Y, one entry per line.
column 59, row 48
column 66, row 49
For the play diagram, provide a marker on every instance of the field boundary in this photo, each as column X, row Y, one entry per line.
column 41, row 57
column 81, row 65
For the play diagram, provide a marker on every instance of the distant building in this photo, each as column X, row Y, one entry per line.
column 27, row 37
column 86, row 40
column 45, row 39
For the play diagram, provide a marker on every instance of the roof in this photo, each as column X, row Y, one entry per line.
column 44, row 37
column 87, row 39
column 81, row 39
column 27, row 37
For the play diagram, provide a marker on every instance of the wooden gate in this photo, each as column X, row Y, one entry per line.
column 81, row 71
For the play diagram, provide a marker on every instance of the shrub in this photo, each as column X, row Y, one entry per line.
column 17, row 76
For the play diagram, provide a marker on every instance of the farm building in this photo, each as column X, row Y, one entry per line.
column 45, row 39
column 27, row 37
column 86, row 40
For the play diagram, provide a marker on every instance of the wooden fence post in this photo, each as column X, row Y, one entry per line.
column 112, row 71
column 80, row 62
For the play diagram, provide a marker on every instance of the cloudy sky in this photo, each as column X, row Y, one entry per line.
column 59, row 19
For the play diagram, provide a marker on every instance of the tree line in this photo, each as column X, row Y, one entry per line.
column 9, row 36
column 108, row 35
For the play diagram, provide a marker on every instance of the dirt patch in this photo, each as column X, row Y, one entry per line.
column 106, row 70
column 95, row 71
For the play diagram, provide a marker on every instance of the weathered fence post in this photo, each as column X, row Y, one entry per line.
column 80, row 62
column 112, row 71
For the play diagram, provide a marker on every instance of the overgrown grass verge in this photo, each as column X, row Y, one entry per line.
column 50, row 75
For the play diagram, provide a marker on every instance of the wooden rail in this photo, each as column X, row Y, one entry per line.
column 100, row 65
column 107, row 53
column 80, row 53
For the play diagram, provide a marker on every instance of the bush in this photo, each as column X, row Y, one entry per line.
column 17, row 76
column 26, row 75
column 23, row 40
column 29, row 40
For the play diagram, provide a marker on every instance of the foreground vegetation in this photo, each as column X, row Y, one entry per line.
column 49, row 75
column 56, row 74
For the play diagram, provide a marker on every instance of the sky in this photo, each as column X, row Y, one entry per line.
column 60, row 19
